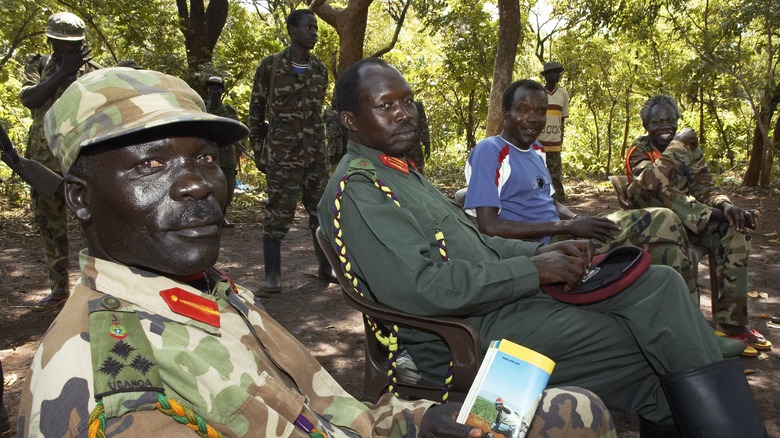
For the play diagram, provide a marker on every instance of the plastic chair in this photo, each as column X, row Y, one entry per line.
column 696, row 252
column 460, row 336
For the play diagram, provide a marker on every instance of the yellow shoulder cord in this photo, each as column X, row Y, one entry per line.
column 389, row 341
column 169, row 407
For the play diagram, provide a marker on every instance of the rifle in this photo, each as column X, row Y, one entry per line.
column 40, row 177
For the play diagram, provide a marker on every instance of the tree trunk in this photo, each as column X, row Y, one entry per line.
column 508, row 39
column 201, row 25
column 759, row 169
column 350, row 24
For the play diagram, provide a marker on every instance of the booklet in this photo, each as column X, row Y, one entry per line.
column 503, row 398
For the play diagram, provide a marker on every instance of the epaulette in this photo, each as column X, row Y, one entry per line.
column 362, row 166
column 395, row 163
column 122, row 356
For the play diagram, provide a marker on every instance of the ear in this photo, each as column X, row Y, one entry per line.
column 348, row 120
column 78, row 199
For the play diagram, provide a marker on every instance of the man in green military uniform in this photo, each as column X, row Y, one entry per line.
column 45, row 78
column 287, row 134
column 228, row 159
column 155, row 341
column 670, row 171
column 411, row 248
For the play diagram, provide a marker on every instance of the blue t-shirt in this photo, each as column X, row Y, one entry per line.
column 515, row 181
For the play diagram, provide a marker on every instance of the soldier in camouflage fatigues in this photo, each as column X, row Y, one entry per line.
column 422, row 147
column 228, row 159
column 182, row 350
column 337, row 134
column 291, row 144
column 45, row 78
column 674, row 174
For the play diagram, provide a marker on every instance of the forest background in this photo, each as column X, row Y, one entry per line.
column 717, row 58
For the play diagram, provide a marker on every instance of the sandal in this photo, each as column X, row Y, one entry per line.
column 749, row 351
column 753, row 338
column 50, row 302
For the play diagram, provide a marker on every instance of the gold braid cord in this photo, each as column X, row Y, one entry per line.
column 169, row 407
column 389, row 341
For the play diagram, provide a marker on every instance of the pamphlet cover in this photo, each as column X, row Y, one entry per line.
column 503, row 398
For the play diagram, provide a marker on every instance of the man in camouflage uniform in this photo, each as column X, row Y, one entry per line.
column 337, row 134
column 154, row 339
column 45, row 78
column 228, row 160
column 410, row 248
column 422, row 146
column 669, row 171
column 291, row 144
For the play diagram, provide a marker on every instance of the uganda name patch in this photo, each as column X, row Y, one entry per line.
column 122, row 357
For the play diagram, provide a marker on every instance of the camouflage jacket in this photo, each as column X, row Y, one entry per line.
column 296, row 131
column 37, row 69
column 236, row 367
column 227, row 154
column 678, row 179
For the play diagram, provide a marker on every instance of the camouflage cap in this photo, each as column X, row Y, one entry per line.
column 129, row 63
column 65, row 26
column 121, row 104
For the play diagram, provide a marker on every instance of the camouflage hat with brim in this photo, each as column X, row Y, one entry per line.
column 118, row 105
column 65, row 26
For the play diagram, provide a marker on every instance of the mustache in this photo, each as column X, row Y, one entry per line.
column 198, row 213
column 404, row 128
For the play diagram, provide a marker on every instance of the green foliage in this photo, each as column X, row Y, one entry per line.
column 485, row 409
column 445, row 167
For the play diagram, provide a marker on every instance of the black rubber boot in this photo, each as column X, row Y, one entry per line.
column 648, row 429
column 272, row 256
column 713, row 401
column 324, row 271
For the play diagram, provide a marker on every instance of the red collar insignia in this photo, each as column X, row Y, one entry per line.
column 191, row 305
column 395, row 163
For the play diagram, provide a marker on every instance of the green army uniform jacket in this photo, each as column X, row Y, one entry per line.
column 36, row 72
column 227, row 154
column 678, row 179
column 395, row 254
column 247, row 377
column 296, row 130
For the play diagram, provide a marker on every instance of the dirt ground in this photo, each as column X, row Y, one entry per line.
column 316, row 313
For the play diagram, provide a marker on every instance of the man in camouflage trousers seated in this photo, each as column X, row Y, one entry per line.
column 154, row 336
column 670, row 171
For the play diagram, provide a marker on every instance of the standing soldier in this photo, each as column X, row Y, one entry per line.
column 552, row 135
column 337, row 134
column 228, row 161
column 421, row 150
column 287, row 133
column 45, row 79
